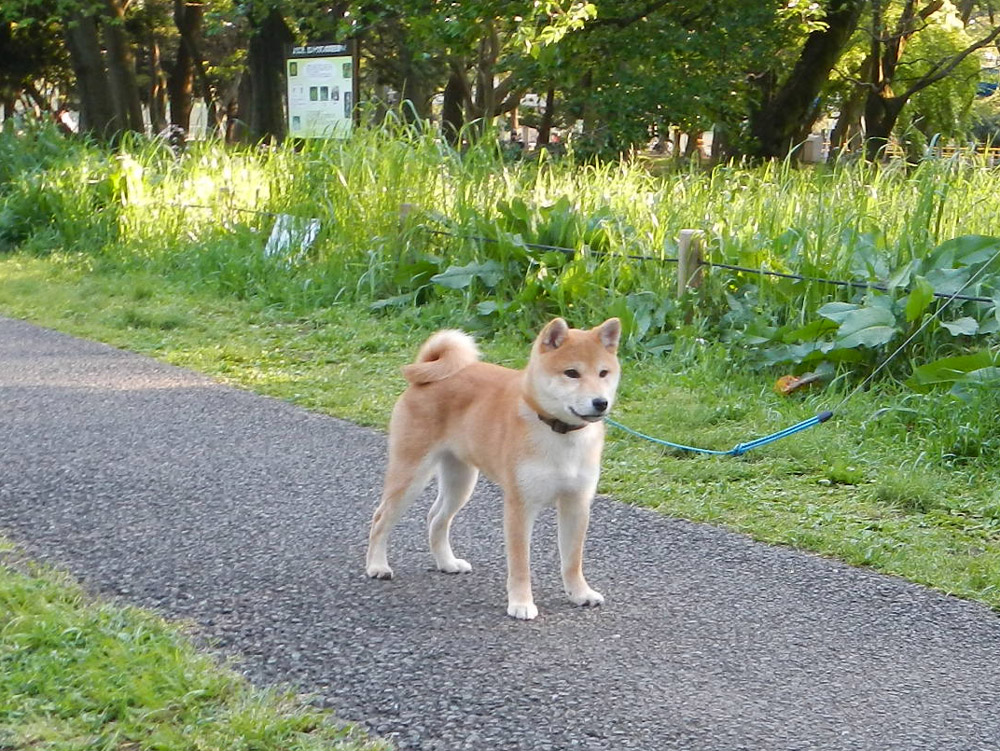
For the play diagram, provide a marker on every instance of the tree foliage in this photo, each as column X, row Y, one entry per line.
column 617, row 72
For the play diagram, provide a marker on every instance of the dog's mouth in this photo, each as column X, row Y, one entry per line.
column 589, row 418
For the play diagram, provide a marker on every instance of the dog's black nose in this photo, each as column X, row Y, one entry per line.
column 600, row 404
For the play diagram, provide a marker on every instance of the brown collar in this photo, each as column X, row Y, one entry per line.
column 558, row 426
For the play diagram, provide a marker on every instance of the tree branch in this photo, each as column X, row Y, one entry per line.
column 622, row 22
column 943, row 69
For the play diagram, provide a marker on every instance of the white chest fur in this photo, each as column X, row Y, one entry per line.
column 554, row 464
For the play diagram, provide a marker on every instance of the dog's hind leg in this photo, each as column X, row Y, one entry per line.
column 456, row 479
column 408, row 473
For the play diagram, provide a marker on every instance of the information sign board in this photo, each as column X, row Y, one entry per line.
column 322, row 90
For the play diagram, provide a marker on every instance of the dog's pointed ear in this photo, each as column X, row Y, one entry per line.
column 610, row 333
column 554, row 334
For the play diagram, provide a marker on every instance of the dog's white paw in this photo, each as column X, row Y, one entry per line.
column 455, row 566
column 379, row 572
column 587, row 597
column 524, row 611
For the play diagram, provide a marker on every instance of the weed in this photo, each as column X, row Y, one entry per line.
column 909, row 491
column 160, row 320
column 843, row 473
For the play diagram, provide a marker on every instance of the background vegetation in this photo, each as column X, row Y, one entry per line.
column 612, row 74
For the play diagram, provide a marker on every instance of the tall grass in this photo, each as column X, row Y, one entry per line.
column 205, row 216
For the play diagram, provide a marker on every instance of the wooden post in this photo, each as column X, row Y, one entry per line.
column 689, row 260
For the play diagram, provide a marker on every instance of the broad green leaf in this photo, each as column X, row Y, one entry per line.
column 963, row 251
column 990, row 323
column 789, row 353
column 866, row 327
column 392, row 302
column 460, row 277
column 758, row 333
column 554, row 259
column 919, row 298
column 964, row 326
column 517, row 213
column 948, row 281
column 812, row 330
column 841, row 354
column 989, row 375
column 949, row 370
column 838, row 311
column 415, row 274
column 989, row 326
column 868, row 262
column 901, row 277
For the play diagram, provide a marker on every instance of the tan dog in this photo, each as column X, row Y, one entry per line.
column 537, row 432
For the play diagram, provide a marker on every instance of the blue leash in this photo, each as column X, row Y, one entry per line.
column 739, row 448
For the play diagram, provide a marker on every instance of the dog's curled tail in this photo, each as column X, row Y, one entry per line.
column 442, row 355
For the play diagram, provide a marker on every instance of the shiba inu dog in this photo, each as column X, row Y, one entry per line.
column 537, row 433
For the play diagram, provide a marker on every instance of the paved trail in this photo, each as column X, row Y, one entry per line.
column 249, row 516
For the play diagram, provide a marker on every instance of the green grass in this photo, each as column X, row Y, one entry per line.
column 865, row 487
column 79, row 673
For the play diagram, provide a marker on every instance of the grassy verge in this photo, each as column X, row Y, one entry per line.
column 81, row 674
column 872, row 487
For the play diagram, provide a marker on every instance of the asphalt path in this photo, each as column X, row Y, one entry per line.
column 249, row 516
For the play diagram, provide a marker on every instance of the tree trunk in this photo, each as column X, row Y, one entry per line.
column 786, row 118
column 121, row 70
column 415, row 88
column 545, row 126
column 180, row 85
column 847, row 132
column 485, row 95
column 262, row 104
column 42, row 105
column 720, row 144
column 452, row 110
column 881, row 114
column 97, row 110
column 236, row 129
column 157, row 89
column 588, row 113
column 416, row 93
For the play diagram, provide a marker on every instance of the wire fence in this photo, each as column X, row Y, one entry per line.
column 697, row 261
column 573, row 252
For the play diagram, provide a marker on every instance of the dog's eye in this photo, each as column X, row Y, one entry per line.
column 603, row 373
column 571, row 373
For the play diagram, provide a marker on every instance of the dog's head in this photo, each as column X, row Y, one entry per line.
column 573, row 373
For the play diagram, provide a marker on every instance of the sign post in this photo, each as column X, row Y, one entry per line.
column 322, row 90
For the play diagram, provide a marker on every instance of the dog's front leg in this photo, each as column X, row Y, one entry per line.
column 574, row 518
column 519, row 519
